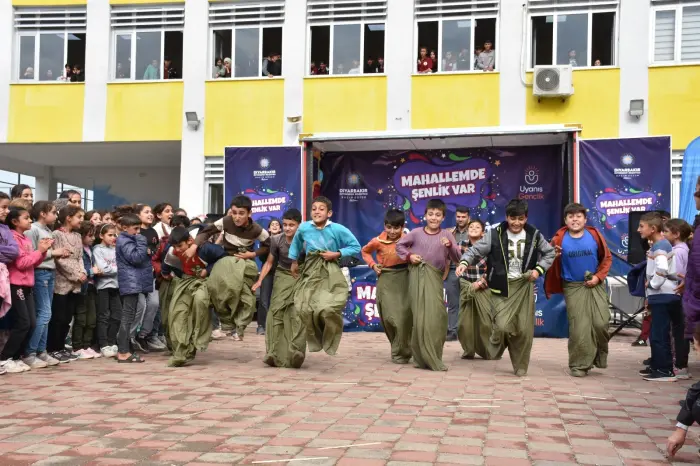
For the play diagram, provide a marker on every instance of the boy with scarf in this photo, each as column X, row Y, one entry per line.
column 322, row 291
column 230, row 284
column 189, row 320
column 579, row 271
column 285, row 340
column 392, row 283
column 512, row 280
column 429, row 250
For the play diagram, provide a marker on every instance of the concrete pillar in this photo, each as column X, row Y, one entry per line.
column 45, row 185
column 294, row 67
column 7, row 39
column 97, row 58
column 398, row 63
column 513, row 92
column 633, row 60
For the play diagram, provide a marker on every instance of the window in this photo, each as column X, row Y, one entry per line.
column 562, row 35
column 50, row 44
column 346, row 37
column 214, row 184
column 86, row 195
column 147, row 42
column 456, row 35
column 676, row 33
column 9, row 179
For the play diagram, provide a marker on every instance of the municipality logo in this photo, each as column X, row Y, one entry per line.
column 627, row 169
column 354, row 192
column 264, row 173
column 264, row 163
column 627, row 160
column 532, row 175
column 353, row 179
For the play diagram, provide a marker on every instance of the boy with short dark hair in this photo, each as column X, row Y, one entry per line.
column 230, row 284
column 322, row 291
column 392, row 282
column 579, row 271
column 429, row 250
column 661, row 284
column 285, row 339
column 189, row 320
column 518, row 254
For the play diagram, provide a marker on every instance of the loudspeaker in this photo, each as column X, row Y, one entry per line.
column 637, row 247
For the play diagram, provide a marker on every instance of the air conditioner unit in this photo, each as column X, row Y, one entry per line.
column 552, row 81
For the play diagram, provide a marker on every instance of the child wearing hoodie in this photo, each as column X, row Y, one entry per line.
column 9, row 250
column 109, row 306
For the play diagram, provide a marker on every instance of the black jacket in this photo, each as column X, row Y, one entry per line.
column 538, row 255
column 690, row 405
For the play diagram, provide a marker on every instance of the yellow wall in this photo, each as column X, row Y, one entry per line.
column 344, row 103
column 144, row 112
column 46, row 113
column 48, row 2
column 674, row 103
column 455, row 100
column 243, row 113
column 595, row 104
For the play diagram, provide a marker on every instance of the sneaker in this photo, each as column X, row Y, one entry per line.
column 48, row 359
column 10, row 367
column 93, row 353
column 639, row 342
column 578, row 373
column 22, row 365
column 646, row 372
column 139, row 345
column 84, row 354
column 69, row 343
column 260, row 330
column 682, row 374
column 163, row 340
column 235, row 337
column 115, row 349
column 34, row 362
column 61, row 357
column 154, row 344
column 452, row 336
column 108, row 352
column 71, row 355
column 217, row 334
column 647, row 362
column 3, row 371
column 659, row 376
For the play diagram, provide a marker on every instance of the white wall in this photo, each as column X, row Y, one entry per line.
column 399, row 58
column 508, row 50
column 6, row 39
column 97, row 57
column 293, row 67
column 633, row 60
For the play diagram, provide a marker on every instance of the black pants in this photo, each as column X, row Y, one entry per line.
column 62, row 312
column 265, row 297
column 23, row 318
column 681, row 346
column 109, row 315
column 129, row 304
column 85, row 319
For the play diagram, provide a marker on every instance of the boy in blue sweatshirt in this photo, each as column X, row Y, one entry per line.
column 322, row 291
column 664, row 303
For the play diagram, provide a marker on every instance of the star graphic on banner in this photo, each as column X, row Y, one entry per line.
column 380, row 191
column 403, row 160
column 497, row 163
column 443, row 156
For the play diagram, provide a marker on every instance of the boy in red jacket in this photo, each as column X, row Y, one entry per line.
column 579, row 271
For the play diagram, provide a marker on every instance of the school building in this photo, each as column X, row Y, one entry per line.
column 145, row 113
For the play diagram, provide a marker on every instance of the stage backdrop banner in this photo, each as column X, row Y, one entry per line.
column 619, row 176
column 363, row 185
column 269, row 176
column 361, row 312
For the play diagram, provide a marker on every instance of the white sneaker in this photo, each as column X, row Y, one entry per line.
column 34, row 362
column 683, row 374
column 115, row 349
column 50, row 361
column 22, row 365
column 217, row 334
column 11, row 367
column 94, row 353
column 108, row 352
column 84, row 354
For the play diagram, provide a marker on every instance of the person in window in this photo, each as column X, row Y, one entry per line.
column 572, row 58
column 227, row 68
column 49, row 75
column 596, row 63
column 425, row 64
column 67, row 73
column 219, row 71
column 313, row 69
column 380, row 65
column 487, row 58
column 322, row 69
column 449, row 63
column 340, row 69
column 370, row 67
column 28, row 73
column 119, row 73
column 355, row 67
column 169, row 71
column 433, row 57
column 464, row 60
column 274, row 67
column 152, row 71
column 77, row 76
column 265, row 63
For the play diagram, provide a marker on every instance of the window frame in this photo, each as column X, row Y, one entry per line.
column 212, row 57
column 589, row 38
column 439, row 50
column 678, row 35
column 37, row 33
column 362, row 23
column 133, row 31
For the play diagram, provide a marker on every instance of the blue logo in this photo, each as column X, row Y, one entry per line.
column 627, row 160
column 353, row 179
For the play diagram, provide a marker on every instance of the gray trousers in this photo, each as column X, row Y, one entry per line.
column 146, row 311
column 452, row 289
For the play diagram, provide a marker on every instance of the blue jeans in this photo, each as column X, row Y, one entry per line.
column 453, row 289
column 661, row 316
column 43, row 295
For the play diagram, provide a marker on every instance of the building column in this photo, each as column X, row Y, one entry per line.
column 97, row 56
column 6, row 38
column 194, row 54
column 399, row 60
column 294, row 68
column 508, row 48
column 633, row 60
column 45, row 188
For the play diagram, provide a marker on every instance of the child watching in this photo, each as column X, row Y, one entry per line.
column 189, row 320
column 429, row 250
column 86, row 313
column 322, row 292
column 579, row 272
column 273, row 228
column 392, row 282
column 70, row 275
column 285, row 340
column 511, row 280
column 677, row 231
column 109, row 306
column 44, row 214
column 664, row 303
column 135, row 276
column 22, row 313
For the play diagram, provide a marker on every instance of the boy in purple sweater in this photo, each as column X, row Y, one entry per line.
column 429, row 250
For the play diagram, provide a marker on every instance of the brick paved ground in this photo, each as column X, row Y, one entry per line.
column 229, row 408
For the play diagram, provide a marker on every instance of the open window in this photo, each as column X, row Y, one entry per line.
column 50, row 44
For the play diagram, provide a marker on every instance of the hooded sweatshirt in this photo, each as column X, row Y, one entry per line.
column 105, row 259
column 22, row 269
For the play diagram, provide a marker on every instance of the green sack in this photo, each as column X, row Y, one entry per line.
column 394, row 308
column 189, row 320
column 589, row 318
column 475, row 324
column 320, row 295
column 285, row 338
column 514, row 322
column 429, row 316
column 165, row 295
column 229, row 286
